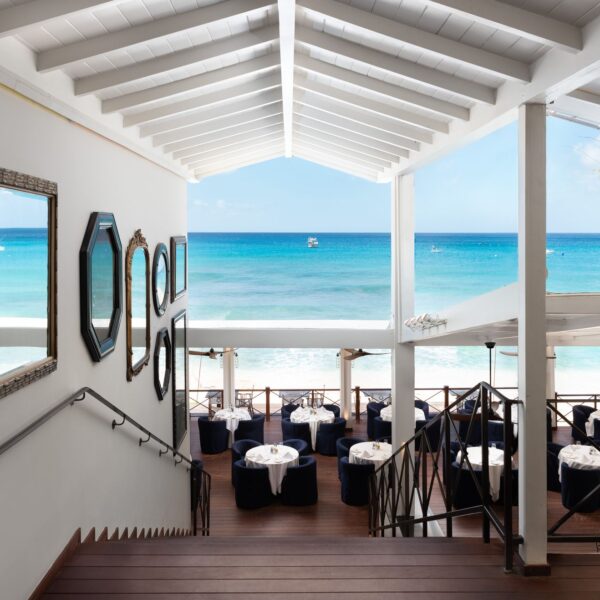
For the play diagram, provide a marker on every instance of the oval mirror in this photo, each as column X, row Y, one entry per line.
column 160, row 279
column 162, row 363
column 138, row 304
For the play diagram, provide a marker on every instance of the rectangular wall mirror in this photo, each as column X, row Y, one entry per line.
column 178, row 266
column 28, row 276
column 180, row 376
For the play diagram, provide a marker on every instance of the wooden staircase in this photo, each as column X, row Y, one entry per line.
column 320, row 568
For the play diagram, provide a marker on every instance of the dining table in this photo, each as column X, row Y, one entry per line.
column 386, row 414
column 314, row 417
column 495, row 461
column 579, row 456
column 375, row 453
column 232, row 416
column 276, row 458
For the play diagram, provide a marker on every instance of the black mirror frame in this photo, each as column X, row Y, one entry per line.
column 178, row 240
column 135, row 243
column 29, row 373
column 98, row 221
column 160, row 308
column 162, row 341
column 177, row 434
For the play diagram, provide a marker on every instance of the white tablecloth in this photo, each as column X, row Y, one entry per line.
column 496, row 462
column 386, row 414
column 314, row 417
column 589, row 426
column 366, row 452
column 277, row 463
column 579, row 457
column 233, row 416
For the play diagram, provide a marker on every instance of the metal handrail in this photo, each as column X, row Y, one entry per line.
column 79, row 396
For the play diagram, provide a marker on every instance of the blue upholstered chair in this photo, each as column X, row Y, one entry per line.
column 514, row 487
column 548, row 425
column 381, row 428
column 328, row 434
column 299, row 486
column 300, row 445
column 238, row 452
column 342, row 448
column 252, row 488
column 295, row 431
column 355, row 482
column 373, row 410
column 496, row 435
column 581, row 413
column 423, row 406
column 469, row 431
column 288, row 409
column 464, row 490
column 553, row 482
column 254, row 429
column 214, row 436
column 433, row 434
column 576, row 484
column 334, row 408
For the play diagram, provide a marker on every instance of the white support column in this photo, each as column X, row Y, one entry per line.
column 403, row 275
column 532, row 335
column 346, row 389
column 228, row 377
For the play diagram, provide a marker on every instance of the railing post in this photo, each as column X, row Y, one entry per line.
column 508, row 512
column 446, row 397
column 485, row 463
column 448, row 473
column 357, row 403
column 424, row 481
column 312, row 398
column 268, row 403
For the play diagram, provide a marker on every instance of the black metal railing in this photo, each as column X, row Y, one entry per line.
column 200, row 480
column 402, row 489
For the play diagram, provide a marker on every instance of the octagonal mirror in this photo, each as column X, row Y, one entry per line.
column 137, row 277
column 101, row 288
column 160, row 279
column 162, row 363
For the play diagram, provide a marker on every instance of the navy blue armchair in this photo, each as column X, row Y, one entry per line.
column 254, row 429
column 252, row 488
column 373, row 410
column 300, row 445
column 433, row 434
column 238, row 452
column 423, row 406
column 299, row 486
column 581, row 413
column 334, row 408
column 295, row 431
column 576, row 484
column 464, row 490
column 288, row 409
column 355, row 482
column 553, row 482
column 214, row 436
column 342, row 448
column 328, row 434
column 381, row 428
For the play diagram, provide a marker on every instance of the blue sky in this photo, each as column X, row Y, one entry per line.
column 473, row 189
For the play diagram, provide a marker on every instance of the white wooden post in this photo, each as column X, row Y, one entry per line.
column 532, row 336
column 346, row 389
column 403, row 275
column 228, row 377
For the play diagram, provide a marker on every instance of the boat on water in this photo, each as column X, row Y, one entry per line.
column 312, row 242
column 548, row 251
column 435, row 249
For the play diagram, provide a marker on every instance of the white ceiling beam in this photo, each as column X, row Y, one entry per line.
column 585, row 96
column 220, row 141
column 225, row 122
column 341, row 152
column 361, row 115
column 223, row 109
column 518, row 21
column 287, row 26
column 176, row 60
column 204, row 82
column 380, row 108
column 246, row 89
column 397, row 66
column 243, row 142
column 36, row 12
column 382, row 88
column 233, row 151
column 191, row 145
column 244, row 160
column 442, row 47
column 337, row 165
column 214, row 14
column 367, row 151
column 342, row 122
column 573, row 109
column 350, row 136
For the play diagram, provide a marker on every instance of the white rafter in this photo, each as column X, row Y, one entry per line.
column 197, row 102
column 35, row 12
column 61, row 56
column 382, row 88
column 513, row 19
column 287, row 25
column 421, row 39
column 242, row 160
column 202, row 82
column 325, row 160
column 304, row 146
column 398, row 66
column 176, row 60
column 585, row 96
column 341, row 152
column 223, row 109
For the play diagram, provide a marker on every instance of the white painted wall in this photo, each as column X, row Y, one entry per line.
column 75, row 472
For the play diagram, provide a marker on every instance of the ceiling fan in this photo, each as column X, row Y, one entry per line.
column 212, row 353
column 354, row 354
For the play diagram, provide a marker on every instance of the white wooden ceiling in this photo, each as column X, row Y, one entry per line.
column 370, row 87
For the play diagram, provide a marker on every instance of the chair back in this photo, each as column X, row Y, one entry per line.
column 300, row 445
column 581, row 413
column 334, row 408
column 214, row 436
column 254, row 429
column 576, row 484
column 373, row 410
column 252, row 487
column 381, row 428
column 553, row 481
column 328, row 434
column 238, row 452
column 288, row 409
column 424, row 406
column 355, row 482
column 342, row 447
column 299, row 486
column 295, row 431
